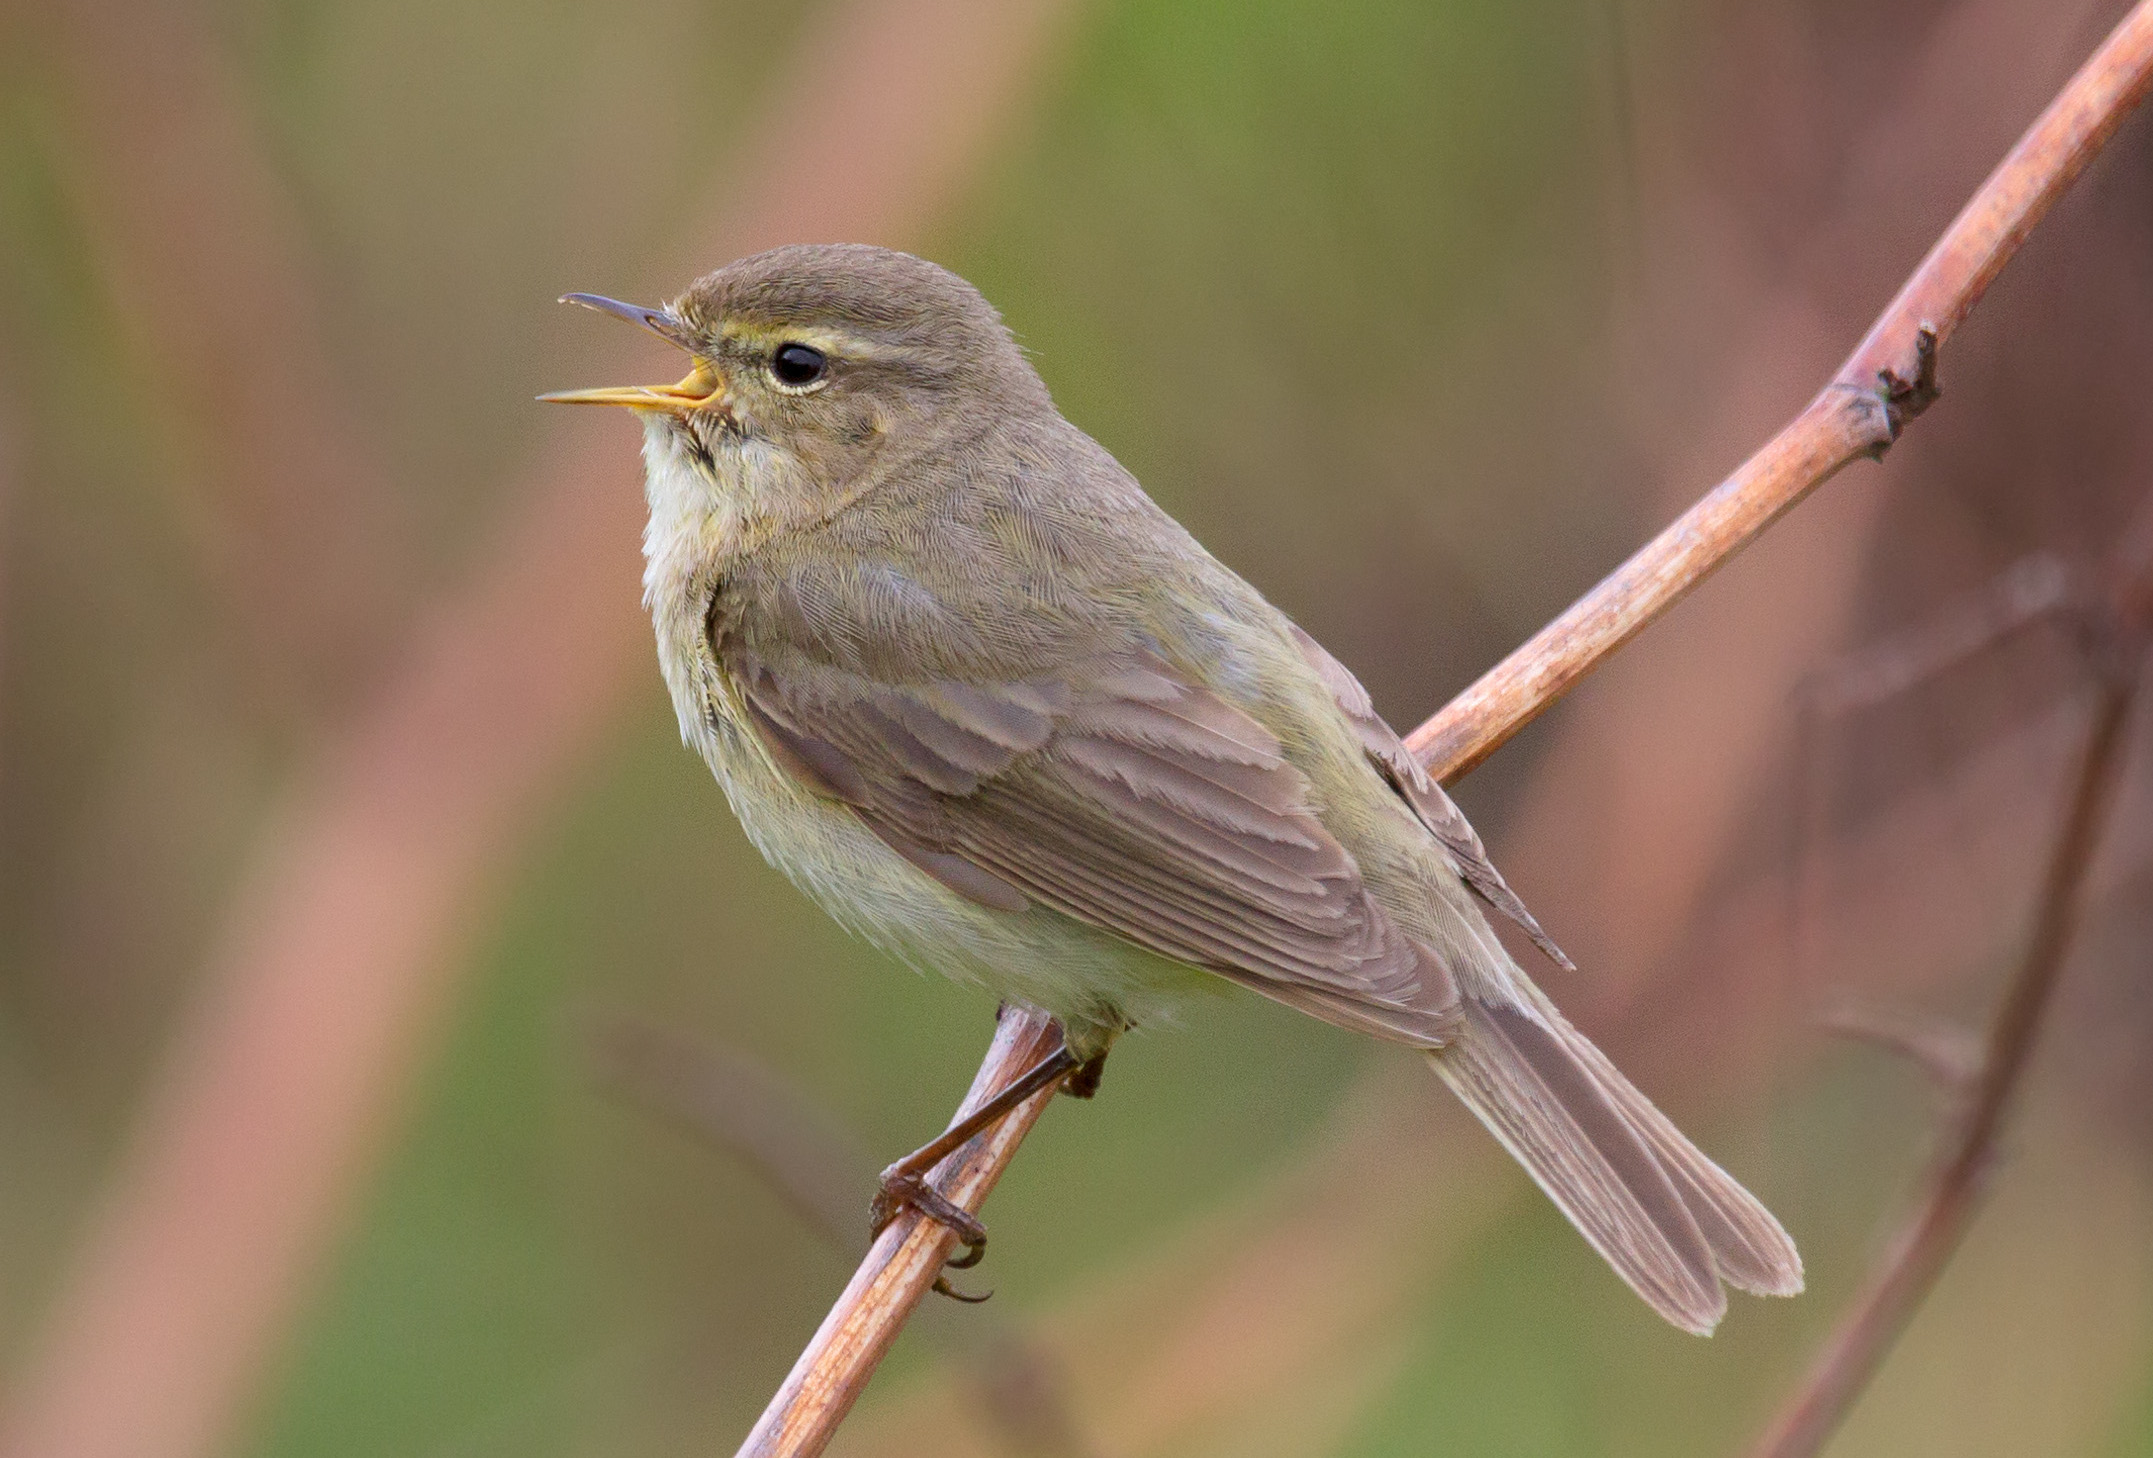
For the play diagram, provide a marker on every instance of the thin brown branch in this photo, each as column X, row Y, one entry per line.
column 1883, row 384
column 1269, row 1332
column 905, row 1259
column 1860, row 413
column 1923, row 1246
column 1238, row 1323
column 1687, row 782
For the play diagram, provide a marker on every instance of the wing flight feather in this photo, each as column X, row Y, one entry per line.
column 1120, row 795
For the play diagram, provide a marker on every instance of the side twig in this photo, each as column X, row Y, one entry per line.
column 797, row 1151
column 1918, row 1253
column 815, row 1166
column 1889, row 379
column 2036, row 590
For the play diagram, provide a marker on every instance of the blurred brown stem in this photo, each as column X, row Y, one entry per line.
column 1888, row 380
column 798, row 1151
column 1923, row 1246
column 338, row 958
column 293, row 517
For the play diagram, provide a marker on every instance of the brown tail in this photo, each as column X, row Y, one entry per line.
column 1672, row 1223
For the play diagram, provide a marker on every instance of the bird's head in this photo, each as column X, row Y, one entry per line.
column 813, row 365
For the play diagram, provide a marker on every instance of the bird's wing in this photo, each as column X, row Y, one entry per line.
column 1435, row 809
column 1121, row 794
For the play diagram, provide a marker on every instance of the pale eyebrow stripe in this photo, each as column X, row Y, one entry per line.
column 835, row 342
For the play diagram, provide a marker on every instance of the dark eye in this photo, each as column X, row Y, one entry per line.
column 798, row 365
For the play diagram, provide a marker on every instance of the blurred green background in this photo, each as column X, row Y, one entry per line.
column 1419, row 314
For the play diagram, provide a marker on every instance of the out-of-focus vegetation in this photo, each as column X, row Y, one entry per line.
column 1419, row 314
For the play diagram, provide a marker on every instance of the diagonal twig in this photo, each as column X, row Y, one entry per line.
column 1919, row 1253
column 1925, row 1242
column 906, row 1258
column 1270, row 1332
column 1889, row 379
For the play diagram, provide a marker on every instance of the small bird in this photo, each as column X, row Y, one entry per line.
column 979, row 697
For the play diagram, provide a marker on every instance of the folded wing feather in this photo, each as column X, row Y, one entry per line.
column 1123, row 796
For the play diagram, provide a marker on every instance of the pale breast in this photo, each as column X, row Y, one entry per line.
column 1086, row 977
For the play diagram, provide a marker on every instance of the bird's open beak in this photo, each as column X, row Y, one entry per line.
column 702, row 388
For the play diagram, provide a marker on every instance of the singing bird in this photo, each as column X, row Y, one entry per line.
column 999, row 714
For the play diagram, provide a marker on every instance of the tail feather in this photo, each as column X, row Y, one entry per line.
column 1751, row 1248
column 1670, row 1222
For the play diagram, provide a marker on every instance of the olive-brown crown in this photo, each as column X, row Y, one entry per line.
column 869, row 309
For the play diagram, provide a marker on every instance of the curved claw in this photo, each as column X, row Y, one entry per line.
column 975, row 1251
column 941, row 1283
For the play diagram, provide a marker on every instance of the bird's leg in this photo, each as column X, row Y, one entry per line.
column 905, row 1182
column 1083, row 1081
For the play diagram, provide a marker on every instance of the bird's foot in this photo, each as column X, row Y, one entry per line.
column 899, row 1188
column 905, row 1182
